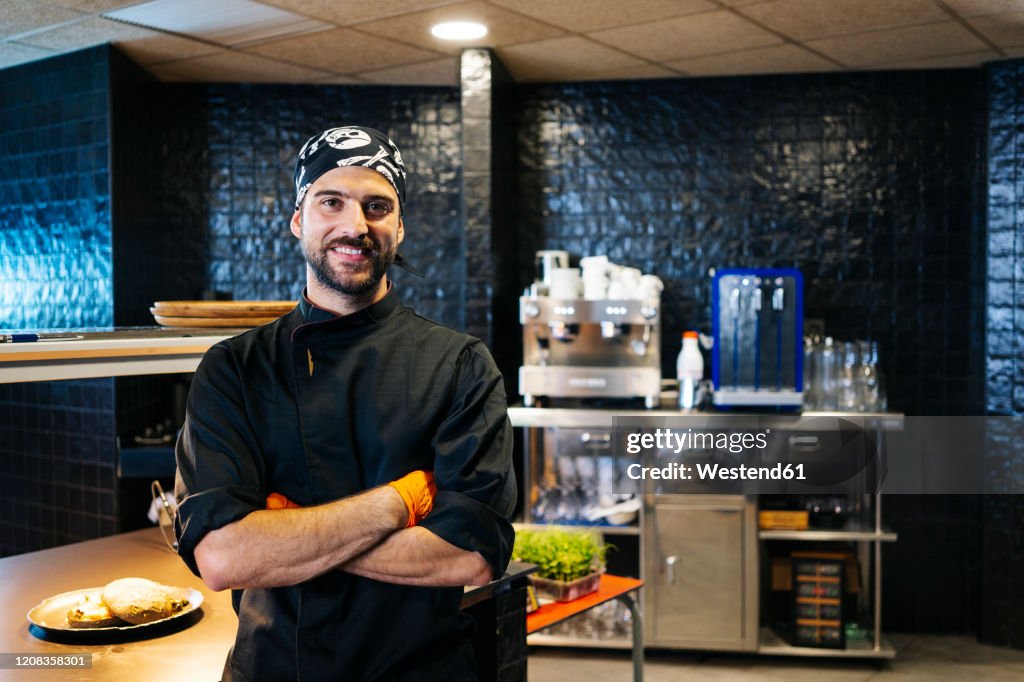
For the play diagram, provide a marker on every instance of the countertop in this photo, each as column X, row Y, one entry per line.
column 197, row 652
column 194, row 652
column 110, row 352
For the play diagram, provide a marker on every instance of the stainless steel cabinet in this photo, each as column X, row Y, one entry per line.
column 699, row 555
column 700, row 568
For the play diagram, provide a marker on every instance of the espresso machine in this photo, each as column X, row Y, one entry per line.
column 587, row 347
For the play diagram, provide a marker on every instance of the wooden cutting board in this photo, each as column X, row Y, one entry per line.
column 170, row 321
column 222, row 308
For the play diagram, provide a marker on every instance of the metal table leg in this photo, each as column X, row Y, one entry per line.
column 638, row 636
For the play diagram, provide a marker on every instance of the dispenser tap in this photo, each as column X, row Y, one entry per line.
column 778, row 295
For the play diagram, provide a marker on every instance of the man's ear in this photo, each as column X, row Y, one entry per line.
column 296, row 223
column 401, row 231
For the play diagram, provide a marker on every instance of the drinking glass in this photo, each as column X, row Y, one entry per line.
column 811, row 357
column 825, row 375
column 849, row 367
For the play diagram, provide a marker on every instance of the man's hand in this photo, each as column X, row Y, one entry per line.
column 279, row 501
column 417, row 490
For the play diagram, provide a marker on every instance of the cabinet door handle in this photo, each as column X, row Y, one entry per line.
column 670, row 569
column 804, row 443
column 596, row 441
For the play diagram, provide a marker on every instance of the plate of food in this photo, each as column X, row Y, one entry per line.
column 124, row 605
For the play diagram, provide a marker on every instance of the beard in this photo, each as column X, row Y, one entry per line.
column 350, row 279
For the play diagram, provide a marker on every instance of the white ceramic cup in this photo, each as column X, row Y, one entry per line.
column 651, row 286
column 565, row 283
column 595, row 287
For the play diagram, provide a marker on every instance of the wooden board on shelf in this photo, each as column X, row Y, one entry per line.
column 213, row 321
column 222, row 308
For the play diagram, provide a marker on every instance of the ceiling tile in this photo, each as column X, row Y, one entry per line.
column 592, row 15
column 632, row 73
column 505, row 27
column 346, row 13
column 692, row 36
column 970, row 59
column 436, row 72
column 1005, row 30
column 13, row 53
column 775, row 59
column 343, row 50
column 92, row 31
column 156, row 48
column 92, row 6
column 21, row 16
column 977, row 8
column 234, row 67
column 811, row 19
column 899, row 45
column 562, row 59
column 231, row 23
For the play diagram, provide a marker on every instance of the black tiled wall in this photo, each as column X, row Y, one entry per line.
column 1005, row 323
column 56, row 463
column 1002, row 583
column 55, row 193
column 871, row 184
column 158, row 214
column 57, row 445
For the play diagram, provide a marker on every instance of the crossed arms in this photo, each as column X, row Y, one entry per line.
column 364, row 534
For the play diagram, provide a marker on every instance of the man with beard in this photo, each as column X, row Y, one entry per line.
column 346, row 469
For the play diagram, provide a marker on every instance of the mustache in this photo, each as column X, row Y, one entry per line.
column 364, row 242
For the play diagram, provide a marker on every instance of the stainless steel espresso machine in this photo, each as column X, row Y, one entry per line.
column 576, row 347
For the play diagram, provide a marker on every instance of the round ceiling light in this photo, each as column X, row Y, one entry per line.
column 459, row 30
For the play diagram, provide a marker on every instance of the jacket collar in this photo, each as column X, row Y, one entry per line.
column 315, row 317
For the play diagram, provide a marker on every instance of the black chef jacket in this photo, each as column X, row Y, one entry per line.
column 318, row 407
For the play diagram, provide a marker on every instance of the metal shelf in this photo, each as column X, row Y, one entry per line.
column 562, row 640
column 848, row 534
column 603, row 530
column 774, row 645
column 539, row 417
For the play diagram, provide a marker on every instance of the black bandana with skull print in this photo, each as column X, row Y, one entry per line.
column 349, row 146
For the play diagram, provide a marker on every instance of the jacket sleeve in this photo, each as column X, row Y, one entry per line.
column 219, row 478
column 476, row 485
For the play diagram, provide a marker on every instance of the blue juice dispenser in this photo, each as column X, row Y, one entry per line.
column 757, row 322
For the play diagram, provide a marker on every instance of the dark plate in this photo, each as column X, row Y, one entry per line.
column 51, row 614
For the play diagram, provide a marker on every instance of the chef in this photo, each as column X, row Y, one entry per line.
column 346, row 469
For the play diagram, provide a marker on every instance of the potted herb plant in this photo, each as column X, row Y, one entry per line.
column 569, row 563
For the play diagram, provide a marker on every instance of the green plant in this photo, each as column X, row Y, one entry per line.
column 561, row 554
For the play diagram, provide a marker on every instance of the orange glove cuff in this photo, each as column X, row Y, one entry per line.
column 417, row 490
column 279, row 501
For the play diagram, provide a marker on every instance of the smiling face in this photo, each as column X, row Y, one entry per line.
column 349, row 229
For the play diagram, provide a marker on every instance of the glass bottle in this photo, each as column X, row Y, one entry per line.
column 689, row 370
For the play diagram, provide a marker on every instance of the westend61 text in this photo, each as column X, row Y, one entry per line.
column 716, row 472
column 667, row 439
